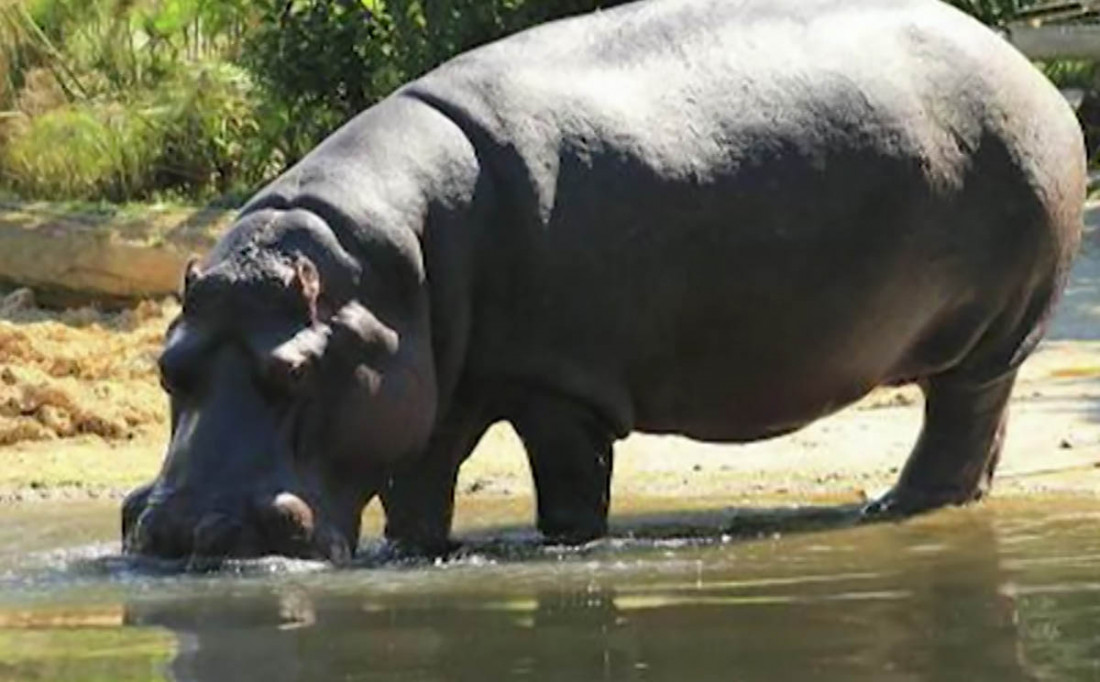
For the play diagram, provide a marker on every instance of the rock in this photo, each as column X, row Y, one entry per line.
column 76, row 259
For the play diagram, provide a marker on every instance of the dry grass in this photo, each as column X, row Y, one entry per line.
column 82, row 372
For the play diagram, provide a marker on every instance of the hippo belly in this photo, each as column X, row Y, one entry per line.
column 747, row 338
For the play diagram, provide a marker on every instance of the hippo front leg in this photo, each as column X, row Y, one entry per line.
column 570, row 451
column 419, row 497
column 958, row 448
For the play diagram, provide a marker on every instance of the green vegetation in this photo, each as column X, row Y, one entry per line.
column 124, row 100
column 88, row 646
column 205, row 100
column 201, row 99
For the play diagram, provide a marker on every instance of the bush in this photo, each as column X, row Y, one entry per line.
column 323, row 61
column 211, row 135
column 320, row 62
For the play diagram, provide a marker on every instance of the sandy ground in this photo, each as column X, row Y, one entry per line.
column 81, row 416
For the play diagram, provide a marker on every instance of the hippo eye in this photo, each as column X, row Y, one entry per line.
column 184, row 350
column 175, row 378
column 178, row 366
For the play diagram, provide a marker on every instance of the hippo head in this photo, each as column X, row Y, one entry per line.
column 290, row 397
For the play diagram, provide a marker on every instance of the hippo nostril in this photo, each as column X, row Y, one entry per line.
column 152, row 534
column 295, row 512
column 215, row 536
column 288, row 522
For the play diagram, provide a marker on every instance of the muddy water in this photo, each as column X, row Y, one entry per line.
column 1004, row 592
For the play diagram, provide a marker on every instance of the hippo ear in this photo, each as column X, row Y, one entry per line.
column 308, row 281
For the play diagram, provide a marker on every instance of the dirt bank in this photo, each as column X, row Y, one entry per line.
column 81, row 415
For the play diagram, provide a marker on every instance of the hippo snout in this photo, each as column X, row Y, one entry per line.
column 174, row 528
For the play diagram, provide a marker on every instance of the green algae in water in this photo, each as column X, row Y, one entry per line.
column 62, row 653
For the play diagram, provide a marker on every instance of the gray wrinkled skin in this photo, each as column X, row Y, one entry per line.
column 718, row 218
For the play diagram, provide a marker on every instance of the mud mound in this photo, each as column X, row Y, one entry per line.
column 78, row 372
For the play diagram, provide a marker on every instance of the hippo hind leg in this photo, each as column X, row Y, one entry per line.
column 958, row 448
column 966, row 410
column 570, row 452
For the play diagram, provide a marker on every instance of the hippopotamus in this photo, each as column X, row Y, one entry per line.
column 718, row 219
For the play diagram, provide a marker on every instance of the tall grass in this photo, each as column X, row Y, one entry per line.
column 197, row 136
column 81, row 152
column 149, row 101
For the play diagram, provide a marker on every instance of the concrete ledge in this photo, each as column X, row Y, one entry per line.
column 73, row 258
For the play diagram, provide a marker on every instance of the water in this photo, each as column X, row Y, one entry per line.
column 1002, row 592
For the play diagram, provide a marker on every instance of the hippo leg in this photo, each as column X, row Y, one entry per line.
column 958, row 448
column 419, row 498
column 570, row 451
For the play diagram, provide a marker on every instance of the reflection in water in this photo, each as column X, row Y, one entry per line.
column 1052, row 564
column 997, row 593
column 887, row 603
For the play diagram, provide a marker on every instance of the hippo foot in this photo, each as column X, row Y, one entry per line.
column 569, row 540
column 404, row 549
column 900, row 503
column 573, row 534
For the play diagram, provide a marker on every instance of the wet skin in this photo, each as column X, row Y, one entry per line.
column 689, row 217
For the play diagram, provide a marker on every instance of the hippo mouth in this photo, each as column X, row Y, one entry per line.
column 283, row 524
